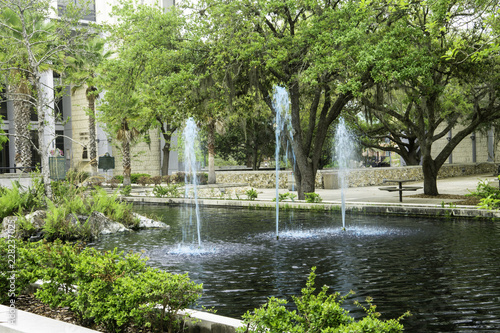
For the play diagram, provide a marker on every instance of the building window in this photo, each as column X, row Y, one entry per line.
column 87, row 6
column 4, row 157
column 60, row 140
column 3, row 106
column 36, row 159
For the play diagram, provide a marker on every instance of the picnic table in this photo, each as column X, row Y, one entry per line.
column 399, row 188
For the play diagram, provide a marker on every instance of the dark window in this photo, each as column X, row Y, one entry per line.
column 4, row 157
column 34, row 114
column 87, row 6
column 85, row 153
column 3, row 106
column 60, row 140
column 58, row 104
column 36, row 160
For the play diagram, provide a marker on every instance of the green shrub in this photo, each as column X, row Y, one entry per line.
column 489, row 195
column 126, row 190
column 62, row 190
column 203, row 178
column 96, row 274
column 56, row 267
column 156, row 180
column 485, row 190
column 119, row 178
column 284, row 196
column 107, row 204
column 313, row 197
column 178, row 177
column 321, row 312
column 25, row 229
column 113, row 183
column 12, row 200
column 251, row 194
column 134, row 177
column 169, row 191
column 14, row 278
column 171, row 292
column 76, row 177
column 490, row 202
column 143, row 180
column 112, row 288
column 58, row 223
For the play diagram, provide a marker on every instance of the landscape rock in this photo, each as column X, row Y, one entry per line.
column 101, row 225
column 146, row 222
column 8, row 220
column 37, row 218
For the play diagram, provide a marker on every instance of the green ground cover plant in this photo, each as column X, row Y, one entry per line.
column 489, row 195
column 169, row 191
column 285, row 196
column 313, row 197
column 70, row 202
column 316, row 312
column 251, row 194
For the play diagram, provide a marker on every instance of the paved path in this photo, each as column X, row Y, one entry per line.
column 372, row 194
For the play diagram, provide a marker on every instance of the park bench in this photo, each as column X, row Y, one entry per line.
column 399, row 188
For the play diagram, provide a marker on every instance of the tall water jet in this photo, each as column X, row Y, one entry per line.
column 344, row 151
column 190, row 138
column 281, row 106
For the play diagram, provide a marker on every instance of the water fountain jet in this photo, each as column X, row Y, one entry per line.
column 345, row 153
column 281, row 104
column 190, row 137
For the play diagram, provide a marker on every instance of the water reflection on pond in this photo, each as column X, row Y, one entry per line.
column 445, row 272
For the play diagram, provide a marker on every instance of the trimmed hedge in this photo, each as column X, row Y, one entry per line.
column 112, row 289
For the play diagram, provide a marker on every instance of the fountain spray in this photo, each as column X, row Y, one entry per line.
column 190, row 137
column 344, row 151
column 281, row 107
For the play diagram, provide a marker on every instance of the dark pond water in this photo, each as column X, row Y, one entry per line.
column 447, row 273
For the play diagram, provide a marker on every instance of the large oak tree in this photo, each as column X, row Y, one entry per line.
column 434, row 80
column 320, row 51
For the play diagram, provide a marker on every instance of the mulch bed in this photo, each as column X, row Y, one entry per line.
column 30, row 303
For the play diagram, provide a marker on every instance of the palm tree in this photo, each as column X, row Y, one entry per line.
column 126, row 135
column 19, row 90
column 82, row 71
column 20, row 94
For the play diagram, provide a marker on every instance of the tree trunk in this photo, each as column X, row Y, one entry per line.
column 43, row 147
column 430, row 176
column 255, row 158
column 92, row 131
column 167, row 136
column 211, row 152
column 126, row 162
column 22, row 116
column 307, row 181
column 166, row 159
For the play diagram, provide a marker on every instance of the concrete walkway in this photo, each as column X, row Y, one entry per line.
column 373, row 195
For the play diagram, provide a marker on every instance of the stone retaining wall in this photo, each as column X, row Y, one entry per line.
column 357, row 177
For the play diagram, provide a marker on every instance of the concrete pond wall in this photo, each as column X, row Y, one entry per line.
column 327, row 179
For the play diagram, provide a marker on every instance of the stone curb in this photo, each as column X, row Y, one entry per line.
column 400, row 209
column 27, row 322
